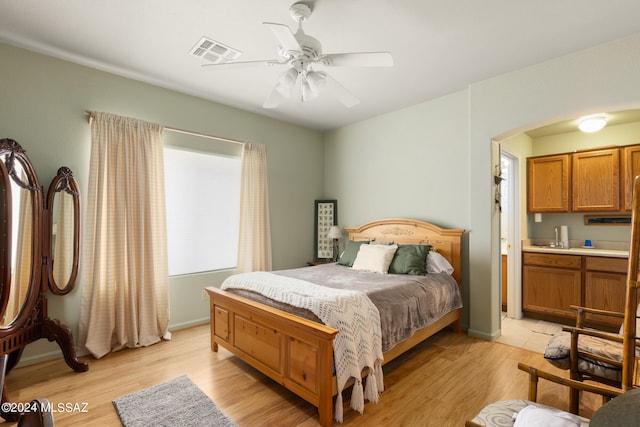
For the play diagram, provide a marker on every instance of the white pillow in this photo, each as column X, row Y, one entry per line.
column 436, row 263
column 375, row 258
column 533, row 416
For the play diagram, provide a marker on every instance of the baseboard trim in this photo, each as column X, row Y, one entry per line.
column 480, row 334
column 57, row 354
column 42, row 357
column 188, row 324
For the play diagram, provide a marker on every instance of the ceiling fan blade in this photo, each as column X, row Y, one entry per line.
column 274, row 99
column 245, row 64
column 308, row 93
column 285, row 37
column 337, row 90
column 357, row 59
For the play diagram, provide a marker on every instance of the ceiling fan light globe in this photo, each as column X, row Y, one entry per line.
column 287, row 81
column 315, row 80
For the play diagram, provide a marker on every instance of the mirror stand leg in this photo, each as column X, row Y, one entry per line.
column 61, row 334
column 7, row 415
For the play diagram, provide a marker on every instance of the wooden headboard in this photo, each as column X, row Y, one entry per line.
column 412, row 231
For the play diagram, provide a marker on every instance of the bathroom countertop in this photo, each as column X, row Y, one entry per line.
column 605, row 249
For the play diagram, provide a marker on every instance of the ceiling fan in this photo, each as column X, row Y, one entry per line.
column 300, row 52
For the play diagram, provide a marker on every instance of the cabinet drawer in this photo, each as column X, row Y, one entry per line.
column 552, row 260
column 613, row 265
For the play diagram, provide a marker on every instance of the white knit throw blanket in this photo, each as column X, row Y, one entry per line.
column 358, row 344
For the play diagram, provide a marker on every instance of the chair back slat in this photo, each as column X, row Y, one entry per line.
column 631, row 302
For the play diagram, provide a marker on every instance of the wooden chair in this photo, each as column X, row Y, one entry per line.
column 593, row 355
column 604, row 357
column 501, row 413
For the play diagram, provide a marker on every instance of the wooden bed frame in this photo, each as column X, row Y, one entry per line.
column 298, row 353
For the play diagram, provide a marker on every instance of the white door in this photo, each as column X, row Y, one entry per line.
column 510, row 231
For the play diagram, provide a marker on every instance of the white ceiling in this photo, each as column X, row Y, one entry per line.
column 439, row 46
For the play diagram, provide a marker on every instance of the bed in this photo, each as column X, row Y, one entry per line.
column 298, row 352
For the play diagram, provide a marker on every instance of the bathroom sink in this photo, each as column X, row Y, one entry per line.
column 578, row 250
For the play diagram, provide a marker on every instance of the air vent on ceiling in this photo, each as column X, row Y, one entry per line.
column 213, row 51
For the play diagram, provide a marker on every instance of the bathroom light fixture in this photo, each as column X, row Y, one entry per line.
column 592, row 123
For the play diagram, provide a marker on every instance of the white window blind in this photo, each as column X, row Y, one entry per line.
column 203, row 205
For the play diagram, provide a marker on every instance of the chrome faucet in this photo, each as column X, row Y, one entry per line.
column 557, row 245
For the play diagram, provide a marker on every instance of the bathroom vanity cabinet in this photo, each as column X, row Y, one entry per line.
column 551, row 283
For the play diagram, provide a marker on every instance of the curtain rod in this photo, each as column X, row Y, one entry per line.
column 186, row 132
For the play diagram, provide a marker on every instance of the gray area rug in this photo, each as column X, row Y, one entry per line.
column 178, row 402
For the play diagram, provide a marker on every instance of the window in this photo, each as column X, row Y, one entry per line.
column 203, row 209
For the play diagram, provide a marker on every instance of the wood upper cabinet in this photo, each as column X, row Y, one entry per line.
column 630, row 169
column 548, row 183
column 596, row 180
column 599, row 180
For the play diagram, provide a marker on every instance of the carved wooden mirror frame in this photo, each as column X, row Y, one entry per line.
column 28, row 234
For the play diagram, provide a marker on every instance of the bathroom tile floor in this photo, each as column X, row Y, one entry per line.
column 527, row 333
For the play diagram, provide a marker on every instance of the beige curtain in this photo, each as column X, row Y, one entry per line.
column 124, row 273
column 254, row 248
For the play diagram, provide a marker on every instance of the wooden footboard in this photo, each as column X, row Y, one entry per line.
column 295, row 352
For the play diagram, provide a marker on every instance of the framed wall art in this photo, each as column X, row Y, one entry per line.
column 326, row 216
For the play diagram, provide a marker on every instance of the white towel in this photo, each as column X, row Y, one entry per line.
column 533, row 416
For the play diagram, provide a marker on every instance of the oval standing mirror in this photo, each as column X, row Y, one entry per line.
column 19, row 198
column 63, row 202
column 5, row 228
column 27, row 249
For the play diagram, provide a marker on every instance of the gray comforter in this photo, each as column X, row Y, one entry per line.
column 405, row 302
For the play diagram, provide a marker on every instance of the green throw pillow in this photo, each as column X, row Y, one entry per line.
column 350, row 252
column 410, row 259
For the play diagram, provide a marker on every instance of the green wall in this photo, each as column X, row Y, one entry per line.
column 411, row 163
column 42, row 107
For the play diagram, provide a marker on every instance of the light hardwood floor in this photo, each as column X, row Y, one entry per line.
column 443, row 382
